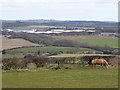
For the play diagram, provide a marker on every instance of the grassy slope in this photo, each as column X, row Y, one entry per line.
column 49, row 49
column 112, row 43
column 75, row 78
column 92, row 40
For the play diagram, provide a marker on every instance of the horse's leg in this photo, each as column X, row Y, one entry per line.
column 102, row 65
column 93, row 65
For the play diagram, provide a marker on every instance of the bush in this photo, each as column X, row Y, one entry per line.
column 41, row 61
column 107, row 52
column 28, row 56
column 6, row 67
column 31, row 66
column 3, row 51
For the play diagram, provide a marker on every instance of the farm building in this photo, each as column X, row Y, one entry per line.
column 91, row 31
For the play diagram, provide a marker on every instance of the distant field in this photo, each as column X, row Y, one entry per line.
column 92, row 40
column 75, row 55
column 112, row 43
column 38, row 27
column 42, row 26
column 75, row 78
column 69, row 55
column 59, row 55
column 50, row 49
column 13, row 43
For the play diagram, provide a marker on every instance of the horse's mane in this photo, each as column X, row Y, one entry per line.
column 106, row 62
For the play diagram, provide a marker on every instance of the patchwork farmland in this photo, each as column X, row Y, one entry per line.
column 47, row 60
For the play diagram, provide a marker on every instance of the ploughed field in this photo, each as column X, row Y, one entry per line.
column 80, row 77
column 14, row 43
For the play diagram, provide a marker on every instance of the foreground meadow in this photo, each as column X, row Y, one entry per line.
column 82, row 77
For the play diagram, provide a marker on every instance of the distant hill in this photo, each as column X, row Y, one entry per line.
column 101, row 26
column 16, row 23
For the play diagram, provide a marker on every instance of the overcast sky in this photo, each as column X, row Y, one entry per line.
column 97, row 10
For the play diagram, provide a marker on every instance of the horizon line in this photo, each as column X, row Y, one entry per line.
column 61, row 20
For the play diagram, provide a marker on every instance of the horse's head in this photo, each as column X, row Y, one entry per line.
column 107, row 66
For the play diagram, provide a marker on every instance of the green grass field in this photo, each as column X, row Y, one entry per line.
column 92, row 40
column 75, row 55
column 50, row 49
column 69, row 55
column 74, row 78
column 101, row 42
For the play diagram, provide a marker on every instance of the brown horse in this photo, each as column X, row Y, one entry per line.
column 101, row 62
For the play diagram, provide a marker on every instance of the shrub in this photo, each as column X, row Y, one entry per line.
column 31, row 66
column 3, row 51
column 41, row 61
column 107, row 52
column 28, row 56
